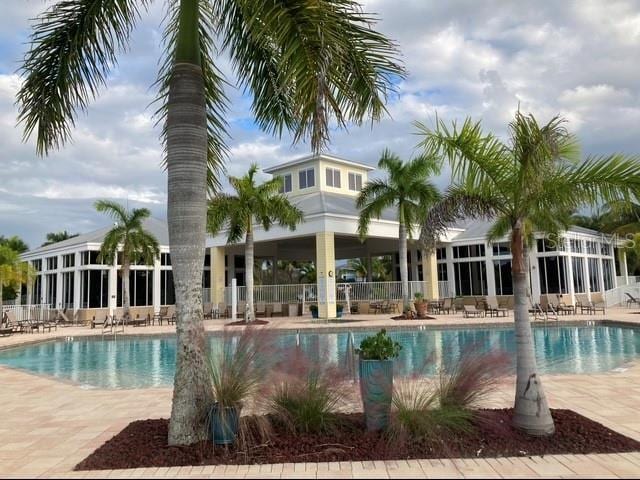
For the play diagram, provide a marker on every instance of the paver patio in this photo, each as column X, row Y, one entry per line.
column 48, row 426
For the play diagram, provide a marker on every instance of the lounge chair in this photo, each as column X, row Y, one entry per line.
column 163, row 316
column 102, row 322
column 469, row 311
column 447, row 305
column 62, row 319
column 5, row 326
column 207, row 310
column 563, row 307
column 595, row 305
column 494, row 308
column 139, row 322
column 631, row 300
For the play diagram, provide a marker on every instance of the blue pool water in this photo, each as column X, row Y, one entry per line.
column 139, row 362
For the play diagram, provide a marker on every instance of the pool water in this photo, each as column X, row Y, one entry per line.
column 142, row 362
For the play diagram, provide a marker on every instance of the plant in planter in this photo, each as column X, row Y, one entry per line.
column 420, row 304
column 376, row 354
column 314, row 311
column 237, row 369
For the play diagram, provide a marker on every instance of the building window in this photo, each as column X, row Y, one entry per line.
column 443, row 275
column 577, row 264
column 548, row 245
column 576, row 245
column 94, row 288
column 441, row 253
column 501, row 248
column 37, row 265
column 471, row 278
column 502, row 274
column 140, row 288
column 167, row 292
column 52, row 283
column 333, row 177
column 607, row 274
column 553, row 278
column 594, row 273
column 355, row 181
column 67, row 289
column 306, row 178
column 165, row 259
column 605, row 249
column 37, row 290
column 286, row 183
column 467, row 251
column 52, row 263
column 90, row 258
column 592, row 248
column 68, row 260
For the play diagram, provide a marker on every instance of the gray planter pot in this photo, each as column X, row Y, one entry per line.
column 376, row 389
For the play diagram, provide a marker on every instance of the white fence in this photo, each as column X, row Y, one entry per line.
column 298, row 293
column 618, row 295
column 40, row 312
column 631, row 280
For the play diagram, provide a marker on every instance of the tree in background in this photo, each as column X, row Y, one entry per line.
column 13, row 272
column 15, row 243
column 55, row 237
column 129, row 237
column 408, row 191
column 252, row 203
column 529, row 183
column 307, row 67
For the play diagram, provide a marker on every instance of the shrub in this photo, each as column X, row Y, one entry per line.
column 418, row 297
column 379, row 347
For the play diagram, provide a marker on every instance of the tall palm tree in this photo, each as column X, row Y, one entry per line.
column 260, row 204
column 55, row 237
column 13, row 271
column 306, row 64
column 531, row 182
column 409, row 192
column 128, row 236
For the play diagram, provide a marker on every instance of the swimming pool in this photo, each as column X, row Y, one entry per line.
column 147, row 361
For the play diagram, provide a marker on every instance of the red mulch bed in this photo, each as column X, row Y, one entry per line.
column 144, row 444
column 241, row 323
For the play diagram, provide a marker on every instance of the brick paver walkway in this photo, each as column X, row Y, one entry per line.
column 47, row 426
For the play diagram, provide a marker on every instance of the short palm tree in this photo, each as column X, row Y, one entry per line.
column 308, row 272
column 530, row 183
column 252, row 204
column 359, row 267
column 55, row 237
column 304, row 63
column 409, row 192
column 13, row 271
column 129, row 237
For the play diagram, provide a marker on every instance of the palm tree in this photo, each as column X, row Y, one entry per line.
column 359, row 267
column 530, row 183
column 13, row 271
column 305, row 64
column 128, row 236
column 308, row 272
column 408, row 191
column 261, row 204
column 55, row 237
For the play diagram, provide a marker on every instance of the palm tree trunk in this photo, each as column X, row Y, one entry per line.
column 531, row 412
column 126, row 303
column 404, row 273
column 248, row 269
column 186, row 215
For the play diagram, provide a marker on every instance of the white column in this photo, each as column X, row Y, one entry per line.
column 43, row 284
column 451, row 273
column 77, row 292
column 534, row 275
column 601, row 270
column 569, row 277
column 491, row 275
column 622, row 261
column 157, row 297
column 112, row 291
column 59, row 283
column 586, row 277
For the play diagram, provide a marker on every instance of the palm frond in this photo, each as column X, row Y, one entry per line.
column 72, row 49
column 113, row 209
column 307, row 63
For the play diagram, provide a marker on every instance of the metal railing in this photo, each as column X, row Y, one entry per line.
column 39, row 312
column 296, row 293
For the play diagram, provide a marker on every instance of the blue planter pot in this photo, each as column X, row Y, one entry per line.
column 338, row 313
column 224, row 424
column 314, row 313
column 376, row 389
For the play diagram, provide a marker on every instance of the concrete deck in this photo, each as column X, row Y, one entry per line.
column 49, row 426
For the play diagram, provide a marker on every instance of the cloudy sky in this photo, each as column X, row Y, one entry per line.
column 465, row 58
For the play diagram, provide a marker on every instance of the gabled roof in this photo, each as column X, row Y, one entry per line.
column 322, row 156
column 157, row 228
column 334, row 204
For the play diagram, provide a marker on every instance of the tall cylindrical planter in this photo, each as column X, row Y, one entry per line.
column 224, row 424
column 376, row 389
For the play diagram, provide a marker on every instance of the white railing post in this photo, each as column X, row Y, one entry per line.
column 234, row 298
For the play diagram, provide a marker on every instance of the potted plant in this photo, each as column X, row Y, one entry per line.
column 339, row 310
column 314, row 310
column 420, row 304
column 236, row 371
column 376, row 354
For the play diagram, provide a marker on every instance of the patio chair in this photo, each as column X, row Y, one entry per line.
column 595, row 305
column 563, row 307
column 387, row 307
column 447, row 305
column 163, row 316
column 139, row 322
column 631, row 300
column 494, row 308
column 62, row 319
column 242, row 308
column 207, row 310
column 261, row 309
column 223, row 310
column 5, row 327
column 102, row 322
column 469, row 311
